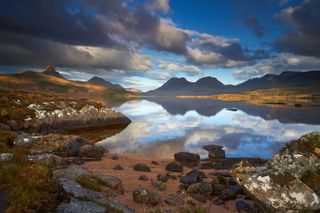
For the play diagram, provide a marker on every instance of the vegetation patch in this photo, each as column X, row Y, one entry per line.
column 32, row 187
column 90, row 181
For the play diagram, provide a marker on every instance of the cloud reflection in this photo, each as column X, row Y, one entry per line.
column 155, row 132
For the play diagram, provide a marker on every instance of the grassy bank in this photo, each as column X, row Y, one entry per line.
column 275, row 97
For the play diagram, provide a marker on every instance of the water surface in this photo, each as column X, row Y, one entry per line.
column 162, row 127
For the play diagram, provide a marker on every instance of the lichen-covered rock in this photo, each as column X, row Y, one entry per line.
column 49, row 116
column 25, row 140
column 279, row 190
column 6, row 157
column 145, row 196
column 290, row 181
column 299, row 156
column 50, row 160
column 200, row 191
column 187, row 159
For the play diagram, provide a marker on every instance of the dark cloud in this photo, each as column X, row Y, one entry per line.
column 305, row 18
column 254, row 24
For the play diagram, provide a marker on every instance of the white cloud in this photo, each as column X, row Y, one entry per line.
column 189, row 69
column 278, row 64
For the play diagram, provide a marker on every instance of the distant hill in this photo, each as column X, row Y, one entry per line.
column 50, row 81
column 101, row 81
column 210, row 85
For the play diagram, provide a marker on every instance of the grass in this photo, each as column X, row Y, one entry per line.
column 31, row 187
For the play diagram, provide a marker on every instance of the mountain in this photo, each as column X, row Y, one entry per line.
column 211, row 86
column 50, row 81
column 51, row 70
column 101, row 81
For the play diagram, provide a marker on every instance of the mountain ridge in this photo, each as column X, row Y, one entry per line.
column 210, row 85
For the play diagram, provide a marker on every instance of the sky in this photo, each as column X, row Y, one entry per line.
column 143, row 43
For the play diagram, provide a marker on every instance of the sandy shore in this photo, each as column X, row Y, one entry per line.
column 130, row 181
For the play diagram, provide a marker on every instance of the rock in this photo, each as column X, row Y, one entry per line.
column 118, row 167
column 159, row 185
column 109, row 181
column 230, row 193
column 141, row 167
column 25, row 140
column 200, row 191
column 299, row 156
column 4, row 127
column 207, row 165
column 78, row 206
column 218, row 202
column 114, row 157
column 154, row 162
column 143, row 177
column 174, row 167
column 91, row 151
column 244, row 207
column 290, row 181
column 279, row 190
column 174, row 200
column 62, row 145
column 51, row 160
column 145, row 196
column 72, row 187
column 192, row 177
column 163, row 178
column 215, row 151
column 6, row 157
column 187, row 159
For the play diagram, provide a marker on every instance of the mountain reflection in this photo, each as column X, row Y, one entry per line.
column 163, row 127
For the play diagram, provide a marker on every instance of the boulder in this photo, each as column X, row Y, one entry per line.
column 192, row 177
column 215, row 151
column 80, row 206
column 200, row 191
column 299, row 156
column 25, row 140
column 118, row 167
column 187, row 159
column 91, row 151
column 109, row 181
column 143, row 177
column 141, row 167
column 278, row 190
column 174, row 200
column 230, row 193
column 145, row 196
column 6, row 157
column 62, row 145
column 51, row 160
column 159, row 185
column 174, row 167
column 244, row 207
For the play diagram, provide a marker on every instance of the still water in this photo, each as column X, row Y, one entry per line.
column 162, row 127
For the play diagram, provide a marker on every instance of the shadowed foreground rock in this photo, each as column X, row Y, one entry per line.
column 187, row 159
column 290, row 181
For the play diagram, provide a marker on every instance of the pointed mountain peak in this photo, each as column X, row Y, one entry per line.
column 51, row 70
column 97, row 80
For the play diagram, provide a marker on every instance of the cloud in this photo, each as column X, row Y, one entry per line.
column 254, row 24
column 189, row 69
column 278, row 64
column 160, row 5
column 305, row 18
column 27, row 50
